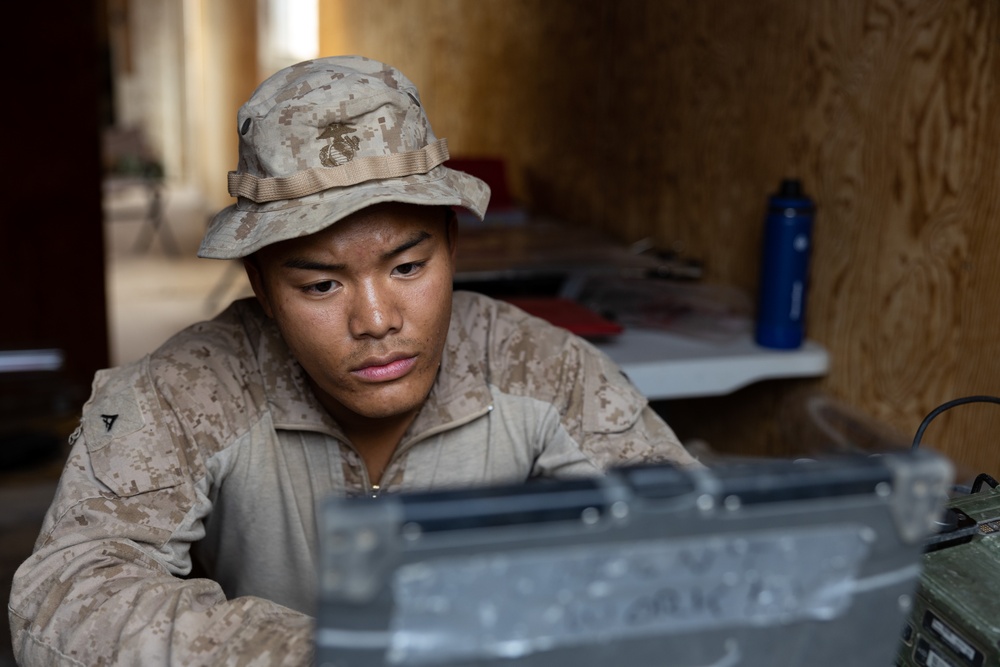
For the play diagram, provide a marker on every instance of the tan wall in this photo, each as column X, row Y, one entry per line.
column 229, row 75
column 675, row 119
column 221, row 73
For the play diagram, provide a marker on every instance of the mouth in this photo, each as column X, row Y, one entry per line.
column 384, row 369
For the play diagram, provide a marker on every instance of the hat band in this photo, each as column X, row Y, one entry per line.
column 317, row 179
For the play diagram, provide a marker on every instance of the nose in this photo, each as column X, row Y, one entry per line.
column 374, row 311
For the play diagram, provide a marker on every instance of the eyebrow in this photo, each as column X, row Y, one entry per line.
column 311, row 265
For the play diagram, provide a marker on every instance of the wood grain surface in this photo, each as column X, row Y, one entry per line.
column 674, row 120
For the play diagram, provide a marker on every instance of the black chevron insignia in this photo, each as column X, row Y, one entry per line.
column 109, row 421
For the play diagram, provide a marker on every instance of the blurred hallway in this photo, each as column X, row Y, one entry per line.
column 155, row 282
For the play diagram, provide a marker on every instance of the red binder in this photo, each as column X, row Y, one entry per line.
column 568, row 314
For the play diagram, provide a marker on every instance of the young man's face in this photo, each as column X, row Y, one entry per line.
column 365, row 306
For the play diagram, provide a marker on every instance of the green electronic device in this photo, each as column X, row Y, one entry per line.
column 955, row 620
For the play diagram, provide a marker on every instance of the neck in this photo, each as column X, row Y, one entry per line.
column 375, row 439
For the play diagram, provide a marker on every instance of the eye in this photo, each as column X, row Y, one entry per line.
column 409, row 269
column 322, row 287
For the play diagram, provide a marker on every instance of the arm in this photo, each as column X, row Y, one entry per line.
column 105, row 582
column 608, row 417
column 599, row 419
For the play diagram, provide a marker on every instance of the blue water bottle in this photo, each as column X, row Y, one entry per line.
column 784, row 268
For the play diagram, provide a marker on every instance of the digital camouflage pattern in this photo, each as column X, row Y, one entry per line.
column 183, row 531
column 344, row 120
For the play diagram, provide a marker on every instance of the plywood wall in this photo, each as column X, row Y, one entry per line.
column 673, row 120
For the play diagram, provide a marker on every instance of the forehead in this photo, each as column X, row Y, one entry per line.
column 371, row 227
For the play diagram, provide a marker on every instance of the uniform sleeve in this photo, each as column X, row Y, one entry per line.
column 604, row 420
column 107, row 583
column 609, row 417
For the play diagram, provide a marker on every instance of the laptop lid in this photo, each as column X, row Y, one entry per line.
column 775, row 562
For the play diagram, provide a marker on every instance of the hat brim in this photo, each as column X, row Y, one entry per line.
column 243, row 228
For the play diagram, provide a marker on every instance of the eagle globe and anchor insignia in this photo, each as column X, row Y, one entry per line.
column 342, row 145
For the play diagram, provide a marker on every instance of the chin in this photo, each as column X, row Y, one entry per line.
column 389, row 401
column 383, row 409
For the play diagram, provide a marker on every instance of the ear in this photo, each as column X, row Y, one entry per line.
column 252, row 266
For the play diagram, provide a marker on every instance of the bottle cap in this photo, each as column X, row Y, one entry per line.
column 789, row 196
column 791, row 188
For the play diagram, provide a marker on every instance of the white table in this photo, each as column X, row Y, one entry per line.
column 662, row 363
column 665, row 365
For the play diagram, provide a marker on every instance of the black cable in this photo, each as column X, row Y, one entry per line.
column 947, row 406
column 983, row 477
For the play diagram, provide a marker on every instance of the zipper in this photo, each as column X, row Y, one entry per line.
column 374, row 490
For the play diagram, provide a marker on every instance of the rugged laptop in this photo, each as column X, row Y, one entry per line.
column 771, row 563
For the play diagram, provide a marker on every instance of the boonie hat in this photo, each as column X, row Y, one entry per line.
column 323, row 139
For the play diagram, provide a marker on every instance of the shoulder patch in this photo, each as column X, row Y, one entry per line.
column 130, row 452
column 112, row 417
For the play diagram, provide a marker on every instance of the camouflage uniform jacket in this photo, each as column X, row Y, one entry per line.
column 213, row 451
